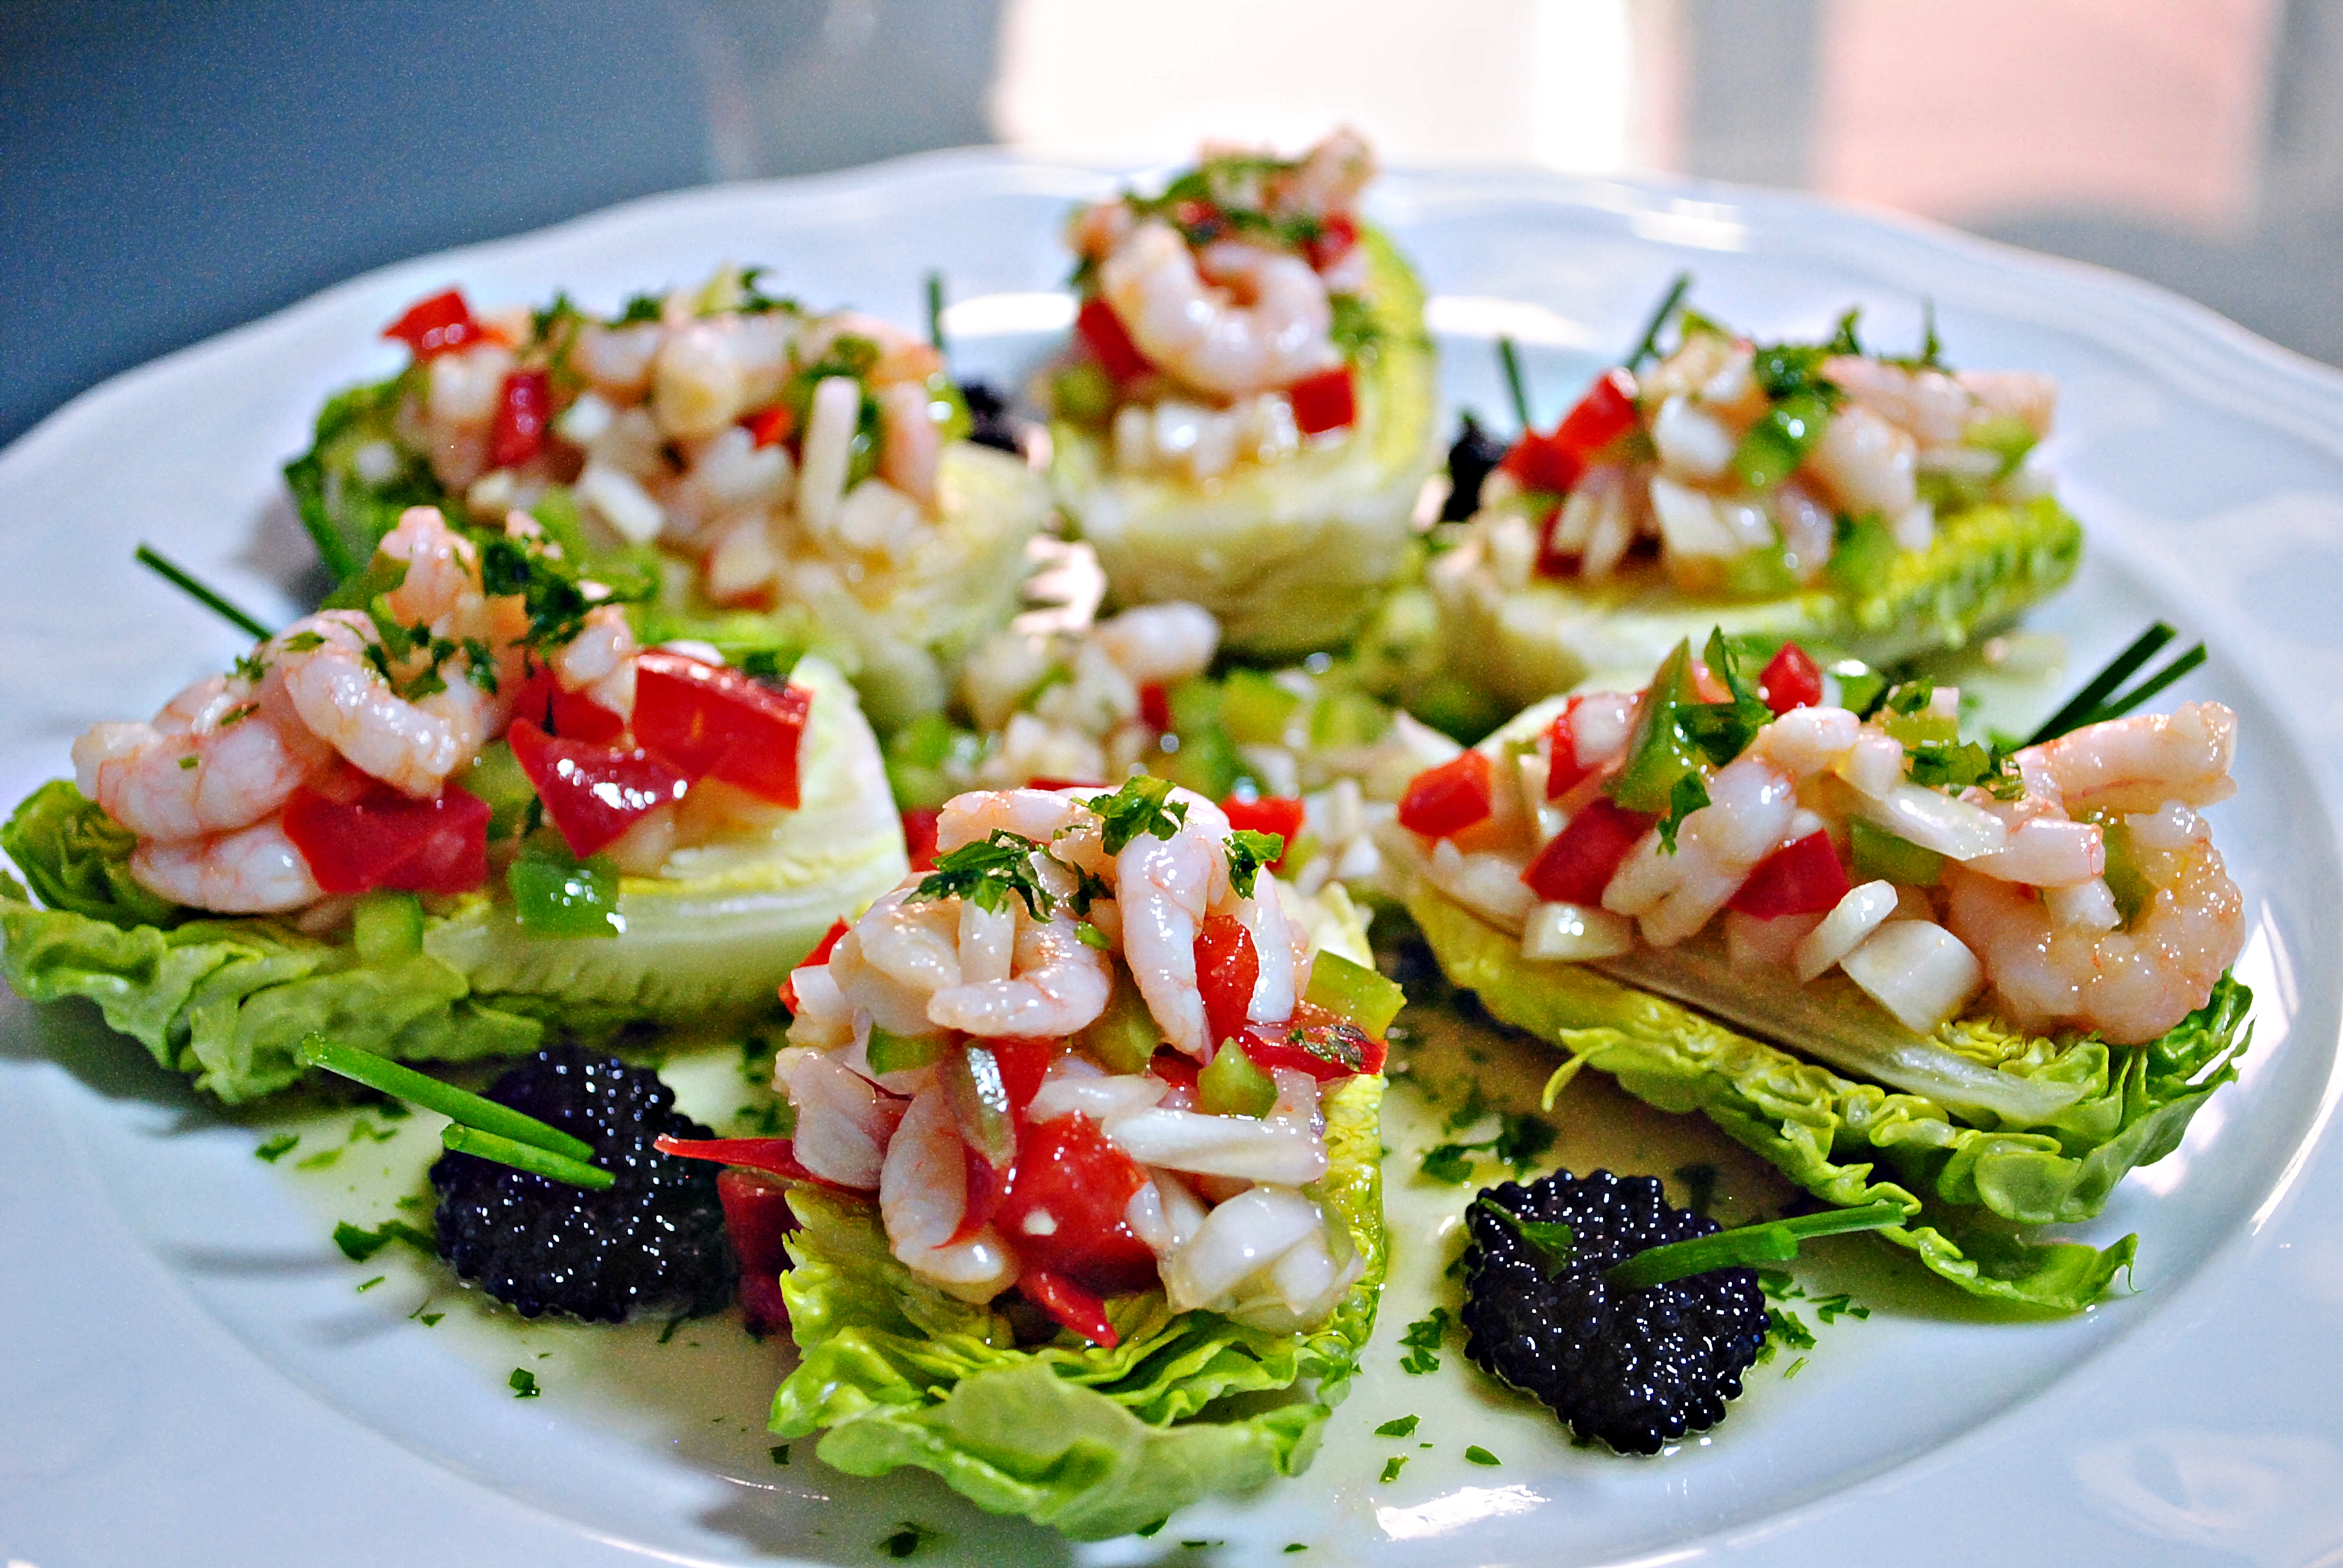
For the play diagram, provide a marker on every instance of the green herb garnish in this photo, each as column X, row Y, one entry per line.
column 1649, row 343
column 1424, row 1339
column 179, row 578
column 1391, row 1467
column 988, row 873
column 1404, row 1426
column 1143, row 805
column 278, row 1147
column 1476, row 1454
column 1509, row 360
column 1249, row 852
column 523, row 1382
column 2100, row 701
column 359, row 1245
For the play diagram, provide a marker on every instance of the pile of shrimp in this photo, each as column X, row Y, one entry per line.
column 1222, row 1207
column 2024, row 908
column 1230, row 324
column 1070, row 706
column 658, row 445
column 1893, row 425
column 204, row 783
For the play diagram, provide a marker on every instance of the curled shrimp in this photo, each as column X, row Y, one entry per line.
column 1058, row 986
column 1329, row 178
column 1235, row 320
column 923, row 1198
column 844, row 1120
column 2130, row 984
column 1751, row 809
column 1866, row 463
column 898, row 956
column 412, row 745
column 220, row 756
column 599, row 661
column 2140, row 762
column 1164, row 888
column 254, row 870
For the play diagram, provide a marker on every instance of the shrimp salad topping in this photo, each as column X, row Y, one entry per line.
column 1756, row 469
column 1221, row 321
column 1807, row 828
column 484, row 705
column 726, row 426
column 1078, row 1057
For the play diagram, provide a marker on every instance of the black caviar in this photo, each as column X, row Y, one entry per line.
column 1637, row 1369
column 1471, row 461
column 654, row 1242
column 990, row 424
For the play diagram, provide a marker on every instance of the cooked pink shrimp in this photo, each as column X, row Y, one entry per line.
column 1749, row 816
column 1160, row 643
column 411, row 745
column 923, row 1197
column 1328, row 179
column 1165, row 886
column 1234, row 321
column 2138, row 763
column 2130, row 985
column 912, row 449
column 599, row 661
column 1866, row 463
column 1059, row 985
column 221, row 756
column 844, row 1120
column 254, row 870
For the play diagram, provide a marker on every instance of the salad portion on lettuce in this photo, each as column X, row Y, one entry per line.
column 1086, row 1148
column 2001, row 977
column 440, row 823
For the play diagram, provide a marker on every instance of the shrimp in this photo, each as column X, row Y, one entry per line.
column 2139, row 763
column 254, row 870
column 599, row 661
column 1937, row 409
column 923, row 1198
column 2130, row 984
column 1329, row 178
column 1058, row 986
column 1866, row 463
column 1158, row 644
column 908, row 455
column 220, row 756
column 844, row 1120
column 1281, row 948
column 1751, row 809
column 412, row 745
column 1036, row 814
column 1234, row 320
column 1165, row 886
column 899, row 955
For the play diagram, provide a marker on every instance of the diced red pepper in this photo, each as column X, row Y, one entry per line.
column 1801, row 879
column 1023, row 1064
column 358, row 834
column 919, row 836
column 1552, row 561
column 1280, row 814
column 593, row 793
column 814, row 960
column 1102, row 331
column 773, row 1156
column 1173, row 1067
column 1044, row 781
column 1553, row 463
column 1200, row 219
column 1579, row 862
column 1069, row 1172
column 1332, row 242
column 572, row 715
column 1448, row 798
column 1227, row 970
column 440, row 325
column 1791, row 680
column 524, row 407
column 1314, row 1041
column 1155, row 706
column 1068, row 1305
column 1564, row 771
column 715, row 722
column 1326, row 401
column 758, row 1218
column 770, row 427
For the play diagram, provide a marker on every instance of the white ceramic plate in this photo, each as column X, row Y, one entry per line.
column 191, row 1374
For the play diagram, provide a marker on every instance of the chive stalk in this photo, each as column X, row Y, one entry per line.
column 179, row 578
column 461, row 1105
column 936, row 311
column 528, row 1157
column 1649, row 343
column 1516, row 387
column 1775, row 1242
column 2100, row 699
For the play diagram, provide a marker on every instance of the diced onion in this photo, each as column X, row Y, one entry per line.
column 619, row 499
column 1573, row 933
column 1244, row 1235
column 1485, row 883
column 1237, row 1146
column 1855, row 917
column 1688, row 521
column 1918, row 970
column 1953, row 829
column 1104, row 1100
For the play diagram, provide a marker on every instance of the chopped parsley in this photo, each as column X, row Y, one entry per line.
column 639, row 308
column 551, row 592
column 428, row 1320
column 1089, row 936
column 1520, row 1141
column 1424, row 1339
column 988, row 873
column 1358, row 335
column 523, row 1382
column 1785, row 1329
column 1297, row 1546
column 1476, row 1454
column 1143, row 805
column 1830, row 1309
column 1688, row 794
column 359, row 1245
column 755, row 301
column 1448, row 1163
column 188, row 763
column 1551, row 1240
column 1391, row 1467
column 304, row 642
column 251, row 667
column 278, row 1148
column 1249, row 851
column 1404, row 1426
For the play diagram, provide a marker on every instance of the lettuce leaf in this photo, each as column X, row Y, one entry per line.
column 345, row 512
column 1967, row 1189
column 1092, row 1441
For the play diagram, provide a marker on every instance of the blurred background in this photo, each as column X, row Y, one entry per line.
column 174, row 167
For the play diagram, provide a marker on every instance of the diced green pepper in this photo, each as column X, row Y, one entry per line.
column 920, row 760
column 1083, row 393
column 1255, row 709
column 556, row 513
column 1879, row 853
column 891, row 1052
column 1354, row 992
column 2123, row 874
column 387, row 927
column 1658, row 753
column 979, row 1096
column 556, row 895
column 1760, row 574
column 1123, row 1038
column 494, row 776
column 1231, row 1085
column 1780, row 441
column 948, row 408
column 1924, row 728
column 1346, row 718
